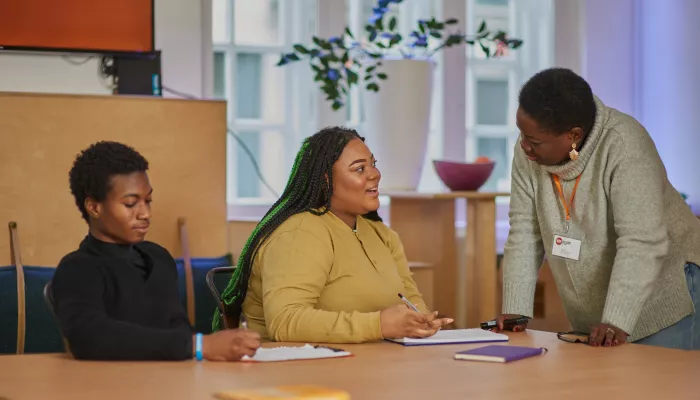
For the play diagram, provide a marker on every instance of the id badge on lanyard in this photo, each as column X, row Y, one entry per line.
column 563, row 245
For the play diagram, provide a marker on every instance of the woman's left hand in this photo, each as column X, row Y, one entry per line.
column 434, row 321
column 606, row 335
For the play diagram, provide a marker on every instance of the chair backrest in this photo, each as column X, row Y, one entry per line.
column 189, row 277
column 16, row 258
column 205, row 303
column 37, row 327
column 8, row 309
column 229, row 321
column 48, row 297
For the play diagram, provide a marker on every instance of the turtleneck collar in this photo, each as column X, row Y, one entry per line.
column 110, row 249
column 126, row 252
column 573, row 168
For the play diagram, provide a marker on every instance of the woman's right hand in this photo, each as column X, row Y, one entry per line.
column 230, row 345
column 503, row 317
column 399, row 322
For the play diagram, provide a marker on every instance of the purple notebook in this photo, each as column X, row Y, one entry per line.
column 499, row 353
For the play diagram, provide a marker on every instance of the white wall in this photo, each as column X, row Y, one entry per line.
column 182, row 34
column 669, row 99
column 569, row 32
column 609, row 60
column 596, row 39
column 638, row 57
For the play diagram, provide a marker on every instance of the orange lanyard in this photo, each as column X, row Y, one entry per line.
column 569, row 206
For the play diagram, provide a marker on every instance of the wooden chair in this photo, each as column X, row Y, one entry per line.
column 37, row 328
column 189, row 279
column 48, row 297
column 192, row 285
column 8, row 309
column 228, row 321
column 21, row 295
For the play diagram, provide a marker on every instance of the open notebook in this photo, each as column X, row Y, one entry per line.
column 305, row 352
column 455, row 336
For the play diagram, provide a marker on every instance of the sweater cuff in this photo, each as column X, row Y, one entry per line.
column 518, row 298
column 372, row 326
column 622, row 312
column 189, row 349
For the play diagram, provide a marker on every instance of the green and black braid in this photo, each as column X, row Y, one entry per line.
column 309, row 188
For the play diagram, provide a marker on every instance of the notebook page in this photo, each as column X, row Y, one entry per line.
column 457, row 336
column 305, row 352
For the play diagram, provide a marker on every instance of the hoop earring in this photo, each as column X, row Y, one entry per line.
column 573, row 154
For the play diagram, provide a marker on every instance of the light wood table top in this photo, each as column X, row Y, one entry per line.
column 377, row 371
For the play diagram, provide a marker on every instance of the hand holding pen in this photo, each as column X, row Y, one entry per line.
column 432, row 318
column 230, row 344
column 406, row 320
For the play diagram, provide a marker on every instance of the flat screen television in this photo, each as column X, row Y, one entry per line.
column 85, row 26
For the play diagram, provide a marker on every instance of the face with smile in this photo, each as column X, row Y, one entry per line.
column 124, row 215
column 544, row 146
column 355, row 182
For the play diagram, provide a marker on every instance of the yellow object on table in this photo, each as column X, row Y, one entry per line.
column 294, row 392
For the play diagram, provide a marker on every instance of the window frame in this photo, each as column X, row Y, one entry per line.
column 307, row 116
column 295, row 26
column 515, row 68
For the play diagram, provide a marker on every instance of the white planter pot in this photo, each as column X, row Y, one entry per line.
column 397, row 122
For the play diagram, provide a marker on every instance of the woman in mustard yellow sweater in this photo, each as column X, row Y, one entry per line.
column 321, row 266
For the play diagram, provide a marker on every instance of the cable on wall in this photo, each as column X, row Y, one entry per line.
column 235, row 135
column 105, row 71
column 72, row 61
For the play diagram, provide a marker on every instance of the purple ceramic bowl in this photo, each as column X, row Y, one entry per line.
column 463, row 176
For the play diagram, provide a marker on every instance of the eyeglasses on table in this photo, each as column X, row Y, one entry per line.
column 573, row 337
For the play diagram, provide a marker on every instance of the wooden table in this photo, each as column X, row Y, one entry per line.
column 426, row 224
column 377, row 371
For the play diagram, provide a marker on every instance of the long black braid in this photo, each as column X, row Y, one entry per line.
column 309, row 188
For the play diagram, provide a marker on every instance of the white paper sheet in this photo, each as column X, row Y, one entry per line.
column 455, row 336
column 305, row 352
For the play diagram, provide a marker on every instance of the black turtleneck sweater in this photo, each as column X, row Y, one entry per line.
column 120, row 302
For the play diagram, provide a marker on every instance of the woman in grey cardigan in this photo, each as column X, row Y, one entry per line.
column 590, row 191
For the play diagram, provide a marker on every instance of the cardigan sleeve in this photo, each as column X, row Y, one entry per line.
column 296, row 268
column 523, row 252
column 637, row 199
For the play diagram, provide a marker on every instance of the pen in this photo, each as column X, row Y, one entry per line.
column 244, row 322
column 408, row 303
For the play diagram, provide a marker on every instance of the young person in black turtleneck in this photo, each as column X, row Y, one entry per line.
column 116, row 296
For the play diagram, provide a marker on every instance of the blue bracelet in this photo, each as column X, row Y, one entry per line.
column 198, row 347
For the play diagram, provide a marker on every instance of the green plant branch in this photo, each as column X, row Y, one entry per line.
column 341, row 62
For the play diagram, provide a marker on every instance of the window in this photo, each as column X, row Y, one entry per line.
column 497, row 3
column 269, row 107
column 407, row 13
column 493, row 84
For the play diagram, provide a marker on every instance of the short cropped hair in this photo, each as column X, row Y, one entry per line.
column 558, row 100
column 94, row 168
